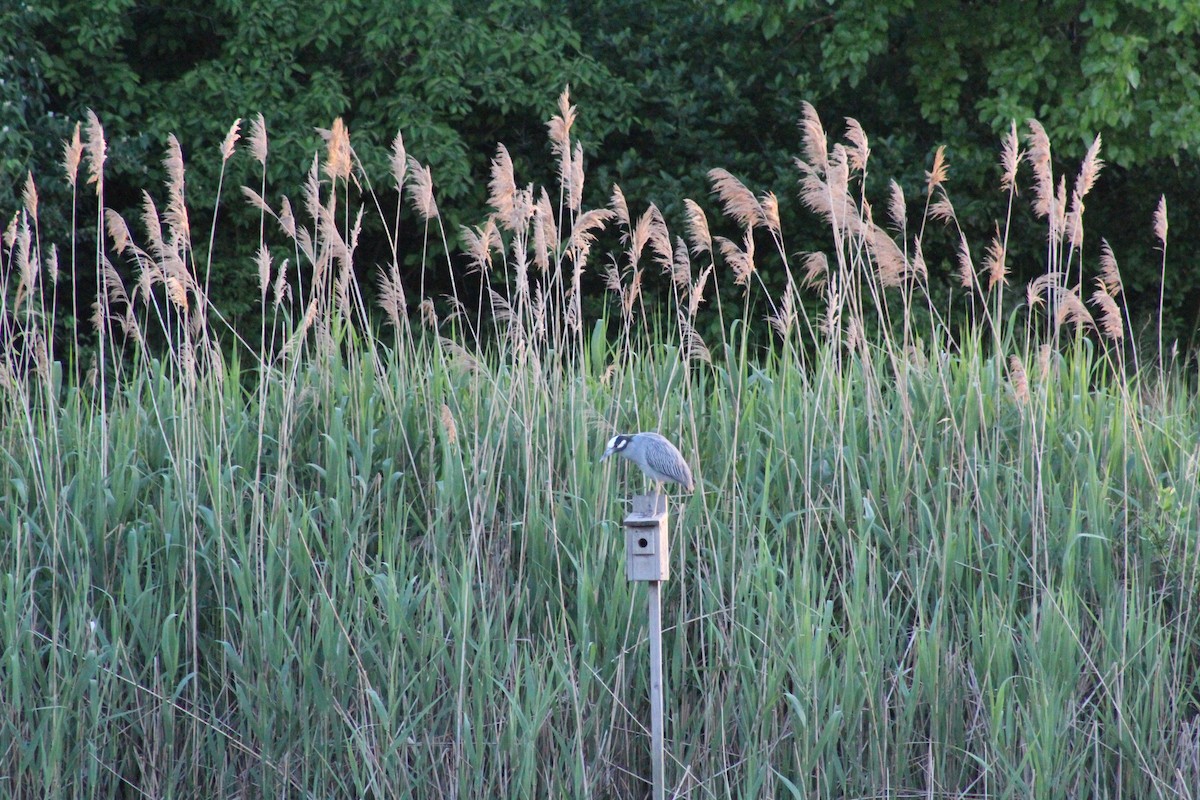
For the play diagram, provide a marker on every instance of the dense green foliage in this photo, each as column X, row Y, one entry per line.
column 353, row 561
column 674, row 88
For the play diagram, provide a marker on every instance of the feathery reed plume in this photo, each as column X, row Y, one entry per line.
column 29, row 197
column 176, row 214
column 479, row 243
column 448, row 426
column 152, row 225
column 256, row 200
column 287, row 220
column 52, row 264
column 258, row 139
column 917, row 266
column 889, row 258
column 660, row 239
column 1018, row 379
column 942, row 209
column 966, row 267
column 816, row 269
column 72, row 155
column 936, row 176
column 620, row 208
column 97, row 150
column 612, row 277
column 282, row 289
column 1111, row 323
column 391, row 296
column 1110, row 275
column 263, row 262
column 638, row 236
column 176, row 292
column 118, row 231
column 897, row 207
column 1058, row 219
column 10, row 232
column 1038, row 156
column 1010, row 157
column 858, row 151
column 696, row 295
column 691, row 343
column 544, row 232
column 1092, row 164
column 429, row 316
column 995, row 262
column 1042, row 288
column 632, row 292
column 398, row 159
column 681, row 266
column 737, row 201
column 785, row 316
column 560, row 135
column 422, row 199
column 231, row 140
column 770, row 207
column 1160, row 220
column 829, row 197
column 575, row 185
column 337, row 154
column 583, row 234
column 1071, row 309
column 740, row 260
column 697, row 224
column 502, row 190
column 815, row 143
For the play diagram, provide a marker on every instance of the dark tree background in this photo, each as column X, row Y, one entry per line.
column 667, row 90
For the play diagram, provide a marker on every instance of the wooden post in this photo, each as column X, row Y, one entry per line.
column 647, row 559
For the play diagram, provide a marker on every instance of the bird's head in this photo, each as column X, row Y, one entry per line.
column 616, row 444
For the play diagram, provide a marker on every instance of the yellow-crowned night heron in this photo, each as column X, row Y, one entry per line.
column 658, row 458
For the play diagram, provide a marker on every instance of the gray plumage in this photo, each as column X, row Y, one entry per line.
column 658, row 458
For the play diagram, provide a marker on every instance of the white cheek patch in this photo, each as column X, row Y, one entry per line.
column 620, row 442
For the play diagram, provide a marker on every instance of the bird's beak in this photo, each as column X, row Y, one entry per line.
column 608, row 452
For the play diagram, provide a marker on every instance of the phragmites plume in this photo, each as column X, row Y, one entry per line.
column 1110, row 313
column 936, row 176
column 1160, row 220
column 858, row 151
column 97, row 150
column 583, row 234
column 740, row 260
column 545, row 233
column 770, row 207
column 966, row 267
column 897, row 208
column 1010, row 157
column 337, row 155
column 502, row 190
column 118, row 230
column 889, row 259
column 698, row 232
column 422, row 199
column 391, row 296
column 263, row 262
column 1018, row 379
column 176, row 214
column 153, row 226
column 1092, row 164
column 738, row 201
column 287, row 220
column 681, row 266
column 696, row 295
column 29, row 197
column 1042, row 288
column 784, row 318
column 816, row 269
column 1038, row 157
column 620, row 208
column 231, row 139
column 560, row 135
column 258, row 139
column 942, row 209
column 816, row 144
column 399, row 161
column 72, row 155
column 1072, row 310
column 691, row 343
column 480, row 242
column 660, row 240
column 52, row 264
column 575, row 185
column 995, row 262
column 1110, row 275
